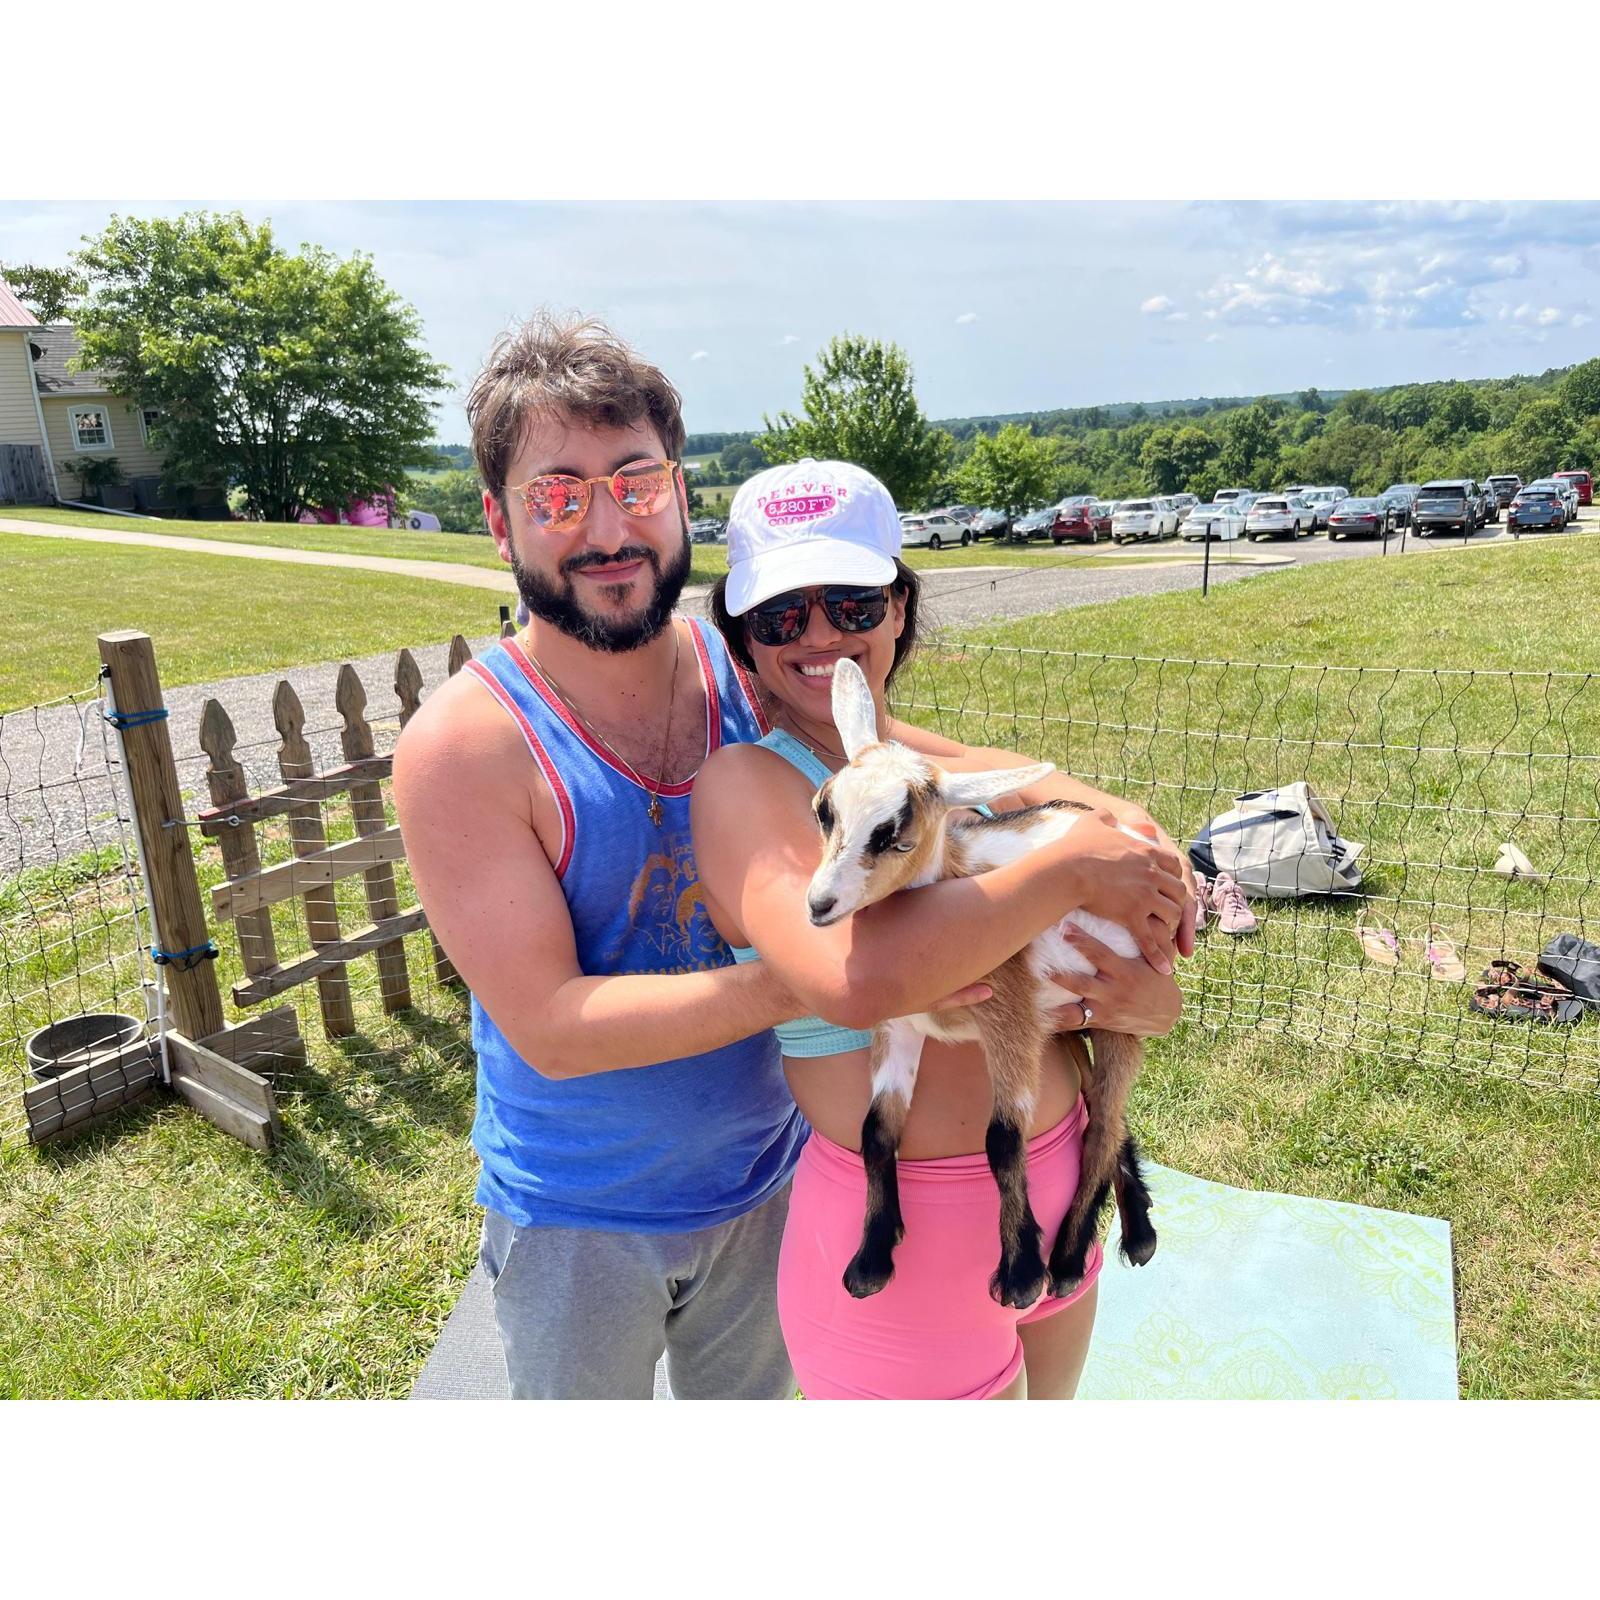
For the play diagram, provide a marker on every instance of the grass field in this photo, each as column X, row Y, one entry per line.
column 212, row 617
column 157, row 1257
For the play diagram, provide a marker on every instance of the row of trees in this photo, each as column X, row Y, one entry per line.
column 860, row 403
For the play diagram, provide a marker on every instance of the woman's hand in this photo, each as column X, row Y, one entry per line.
column 1136, row 884
column 1124, row 993
column 1142, row 822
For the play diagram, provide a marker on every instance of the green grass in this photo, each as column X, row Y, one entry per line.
column 211, row 617
column 154, row 1256
column 472, row 550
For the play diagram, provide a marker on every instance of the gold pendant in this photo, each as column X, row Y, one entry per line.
column 655, row 809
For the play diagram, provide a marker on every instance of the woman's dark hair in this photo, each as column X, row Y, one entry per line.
column 906, row 583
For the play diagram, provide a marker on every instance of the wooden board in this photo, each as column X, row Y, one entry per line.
column 221, row 1076
column 252, row 991
column 262, row 1041
column 277, row 802
column 314, row 870
column 247, row 1126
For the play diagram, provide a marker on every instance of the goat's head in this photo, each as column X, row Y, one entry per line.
column 882, row 817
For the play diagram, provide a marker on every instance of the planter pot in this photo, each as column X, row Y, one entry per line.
column 80, row 1041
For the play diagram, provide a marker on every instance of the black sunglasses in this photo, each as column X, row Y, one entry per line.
column 850, row 608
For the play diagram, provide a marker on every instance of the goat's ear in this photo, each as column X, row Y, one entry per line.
column 978, row 788
column 854, row 713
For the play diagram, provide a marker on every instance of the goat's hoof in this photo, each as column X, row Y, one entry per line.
column 1138, row 1249
column 863, row 1278
column 1064, row 1283
column 1018, row 1283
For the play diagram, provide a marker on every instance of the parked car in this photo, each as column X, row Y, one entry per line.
column 1488, row 504
column 934, row 529
column 1074, row 520
column 1400, row 502
column 1104, row 510
column 1537, row 508
column 961, row 514
column 1583, row 482
column 1222, row 519
column 1185, row 503
column 1273, row 515
column 1322, row 500
column 1374, row 517
column 1505, row 486
column 1564, row 487
column 990, row 523
column 1155, row 518
column 1036, row 525
column 707, row 530
column 1450, row 503
column 422, row 522
column 1222, row 496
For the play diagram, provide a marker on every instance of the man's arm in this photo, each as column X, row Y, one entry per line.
column 462, row 789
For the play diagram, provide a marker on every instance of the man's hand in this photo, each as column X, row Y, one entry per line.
column 1124, row 993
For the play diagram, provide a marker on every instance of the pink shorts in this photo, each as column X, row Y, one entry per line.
column 934, row 1332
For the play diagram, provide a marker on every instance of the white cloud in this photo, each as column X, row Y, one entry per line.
column 790, row 338
column 701, row 355
column 1549, row 315
column 967, row 316
column 1155, row 305
column 1213, row 338
column 1580, row 317
column 1178, row 316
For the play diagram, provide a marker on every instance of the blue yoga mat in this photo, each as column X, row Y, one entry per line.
column 1275, row 1297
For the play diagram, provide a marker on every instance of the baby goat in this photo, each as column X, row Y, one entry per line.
column 886, row 825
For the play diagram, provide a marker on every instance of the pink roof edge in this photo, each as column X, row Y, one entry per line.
column 13, row 314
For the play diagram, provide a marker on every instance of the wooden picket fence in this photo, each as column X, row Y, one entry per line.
column 23, row 479
column 223, row 1069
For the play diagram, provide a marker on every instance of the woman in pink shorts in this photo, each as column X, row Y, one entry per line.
column 814, row 575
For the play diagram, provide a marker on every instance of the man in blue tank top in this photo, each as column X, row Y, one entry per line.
column 635, row 1130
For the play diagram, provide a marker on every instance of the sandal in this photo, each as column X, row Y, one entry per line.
column 1380, row 944
column 1444, row 960
column 1502, row 1002
column 1504, row 994
column 1511, row 863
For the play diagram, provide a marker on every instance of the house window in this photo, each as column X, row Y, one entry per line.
column 150, row 424
column 90, row 427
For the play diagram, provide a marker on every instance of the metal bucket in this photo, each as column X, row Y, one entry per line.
column 80, row 1041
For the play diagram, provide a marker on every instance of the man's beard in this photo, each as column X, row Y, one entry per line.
column 557, row 604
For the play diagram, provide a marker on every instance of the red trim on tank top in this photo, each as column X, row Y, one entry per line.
column 708, row 676
column 569, row 819
column 542, row 687
column 750, row 695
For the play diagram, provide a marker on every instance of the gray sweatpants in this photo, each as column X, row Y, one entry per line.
column 585, row 1315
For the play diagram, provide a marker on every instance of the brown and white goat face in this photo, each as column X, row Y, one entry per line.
column 883, row 816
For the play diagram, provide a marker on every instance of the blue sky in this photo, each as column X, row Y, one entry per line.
column 1002, row 307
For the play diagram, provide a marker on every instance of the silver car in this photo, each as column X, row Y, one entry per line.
column 1156, row 518
column 1222, row 519
column 1322, row 501
column 934, row 529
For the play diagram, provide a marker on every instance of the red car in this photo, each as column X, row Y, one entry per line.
column 1075, row 519
column 1582, row 482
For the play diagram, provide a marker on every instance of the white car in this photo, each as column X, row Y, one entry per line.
column 1185, row 503
column 934, row 529
column 1222, row 519
column 422, row 522
column 1276, row 514
column 1156, row 518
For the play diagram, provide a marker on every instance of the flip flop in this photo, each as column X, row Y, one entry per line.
column 1444, row 960
column 1380, row 944
column 1501, row 1002
column 1511, row 863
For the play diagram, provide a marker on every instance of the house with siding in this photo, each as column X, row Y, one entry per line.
column 60, row 417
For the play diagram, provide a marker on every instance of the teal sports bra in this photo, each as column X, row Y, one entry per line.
column 805, row 1036
column 809, row 1036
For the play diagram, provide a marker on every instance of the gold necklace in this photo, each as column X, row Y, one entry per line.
column 654, row 790
column 831, row 755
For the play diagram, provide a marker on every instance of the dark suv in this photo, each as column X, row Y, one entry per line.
column 1447, row 503
column 1505, row 486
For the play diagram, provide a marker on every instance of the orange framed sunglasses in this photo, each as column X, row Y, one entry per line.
column 556, row 502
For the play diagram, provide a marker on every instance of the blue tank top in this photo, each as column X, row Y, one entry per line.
column 670, row 1148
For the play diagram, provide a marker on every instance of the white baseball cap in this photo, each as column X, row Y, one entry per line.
column 808, row 522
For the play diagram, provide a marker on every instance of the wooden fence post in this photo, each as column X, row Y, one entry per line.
column 408, row 689
column 175, row 908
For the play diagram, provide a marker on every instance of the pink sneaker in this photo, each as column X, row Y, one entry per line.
column 1233, row 911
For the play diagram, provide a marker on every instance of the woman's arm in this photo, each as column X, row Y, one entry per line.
column 757, row 847
column 1058, row 786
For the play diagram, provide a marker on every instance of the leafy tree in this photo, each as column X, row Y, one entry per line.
column 455, row 498
column 1012, row 470
column 1249, row 450
column 50, row 293
column 1171, row 457
column 1542, row 439
column 300, row 377
column 860, row 406
column 1580, row 389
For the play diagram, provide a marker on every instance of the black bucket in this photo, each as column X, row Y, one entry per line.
column 80, row 1041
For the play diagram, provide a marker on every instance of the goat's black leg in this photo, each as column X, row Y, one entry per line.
column 896, row 1053
column 1133, row 1204
column 1019, row 1279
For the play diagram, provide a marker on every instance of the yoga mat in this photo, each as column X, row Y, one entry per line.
column 1249, row 1296
column 1262, row 1296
